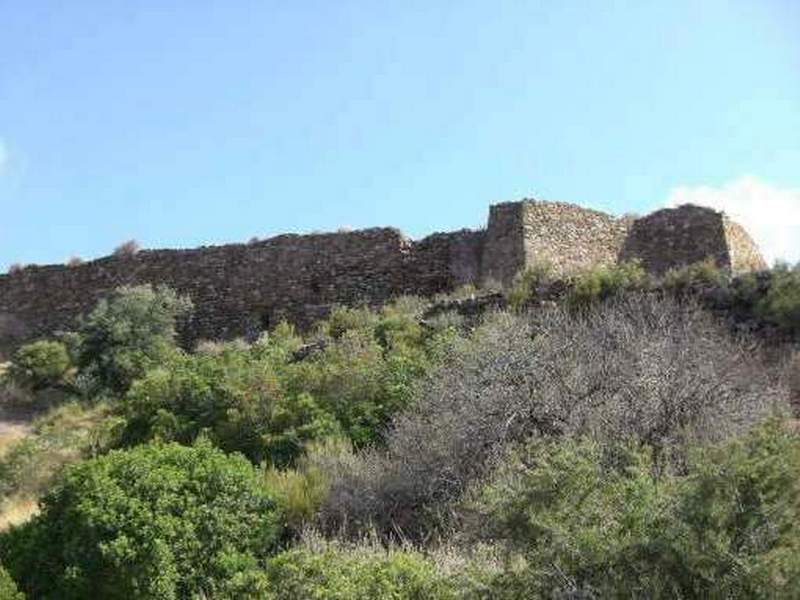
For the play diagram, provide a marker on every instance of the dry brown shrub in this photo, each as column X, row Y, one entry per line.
column 639, row 368
column 127, row 249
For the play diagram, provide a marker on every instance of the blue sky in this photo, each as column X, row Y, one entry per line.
column 183, row 123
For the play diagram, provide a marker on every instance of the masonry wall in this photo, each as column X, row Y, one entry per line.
column 674, row 237
column 743, row 253
column 242, row 289
column 444, row 261
column 237, row 289
column 570, row 238
column 504, row 245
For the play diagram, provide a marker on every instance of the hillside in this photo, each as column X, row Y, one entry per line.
column 558, row 436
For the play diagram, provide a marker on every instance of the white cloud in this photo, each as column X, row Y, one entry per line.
column 770, row 214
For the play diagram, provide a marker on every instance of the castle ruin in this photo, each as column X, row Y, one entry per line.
column 241, row 289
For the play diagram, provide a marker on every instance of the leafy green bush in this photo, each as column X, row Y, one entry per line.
column 572, row 516
column 157, row 521
column 369, row 369
column 236, row 396
column 129, row 333
column 527, row 283
column 739, row 518
column 705, row 273
column 352, row 380
column 781, row 305
column 40, row 364
column 355, row 574
column 604, row 282
column 597, row 524
column 262, row 401
column 303, row 488
column 8, row 587
column 343, row 319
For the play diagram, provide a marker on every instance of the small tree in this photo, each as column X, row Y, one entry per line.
column 236, row 400
column 158, row 521
column 40, row 364
column 130, row 332
column 594, row 524
column 781, row 305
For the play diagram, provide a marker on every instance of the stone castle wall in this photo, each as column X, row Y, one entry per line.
column 242, row 289
column 743, row 253
column 570, row 238
column 504, row 246
column 687, row 234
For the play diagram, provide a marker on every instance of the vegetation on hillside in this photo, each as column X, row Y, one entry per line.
column 618, row 442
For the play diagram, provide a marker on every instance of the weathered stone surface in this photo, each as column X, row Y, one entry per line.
column 743, row 254
column 570, row 238
column 679, row 236
column 241, row 289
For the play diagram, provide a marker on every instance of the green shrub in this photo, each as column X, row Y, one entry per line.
column 705, row 273
column 527, row 283
column 40, row 364
column 303, row 488
column 129, row 333
column 781, row 305
column 604, row 282
column 597, row 524
column 261, row 401
column 738, row 518
column 343, row 319
column 62, row 436
column 8, row 587
column 355, row 574
column 746, row 292
column 650, row 369
column 572, row 516
column 370, row 366
column 237, row 397
column 157, row 521
column 351, row 380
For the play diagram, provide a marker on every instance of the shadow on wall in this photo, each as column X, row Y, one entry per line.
column 12, row 333
column 675, row 237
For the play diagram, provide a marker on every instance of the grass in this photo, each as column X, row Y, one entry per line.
column 32, row 454
column 17, row 510
column 10, row 434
